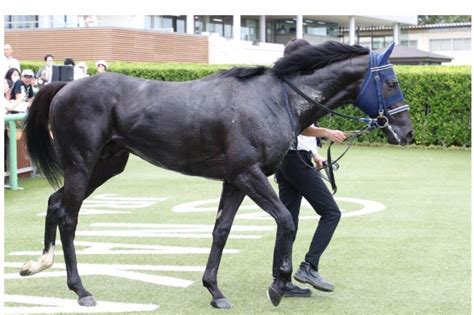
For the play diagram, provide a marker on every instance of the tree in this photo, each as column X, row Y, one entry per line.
column 436, row 19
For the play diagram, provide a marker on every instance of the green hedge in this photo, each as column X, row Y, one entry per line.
column 439, row 97
column 155, row 71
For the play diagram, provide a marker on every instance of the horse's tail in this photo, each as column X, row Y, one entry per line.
column 41, row 148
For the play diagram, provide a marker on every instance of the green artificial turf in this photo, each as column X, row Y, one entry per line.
column 411, row 258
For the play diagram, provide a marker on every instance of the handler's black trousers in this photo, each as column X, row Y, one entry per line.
column 295, row 180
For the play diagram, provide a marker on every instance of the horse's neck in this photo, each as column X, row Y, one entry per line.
column 334, row 86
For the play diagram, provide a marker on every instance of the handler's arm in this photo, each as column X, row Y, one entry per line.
column 333, row 135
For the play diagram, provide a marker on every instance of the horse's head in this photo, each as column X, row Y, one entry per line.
column 380, row 97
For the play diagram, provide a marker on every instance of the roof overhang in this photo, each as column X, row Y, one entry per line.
column 360, row 20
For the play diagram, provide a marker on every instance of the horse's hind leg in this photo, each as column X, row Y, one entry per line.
column 108, row 166
column 231, row 198
column 77, row 186
column 51, row 224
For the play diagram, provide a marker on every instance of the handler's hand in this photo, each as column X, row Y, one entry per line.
column 319, row 160
column 335, row 135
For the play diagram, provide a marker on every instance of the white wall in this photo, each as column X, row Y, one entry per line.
column 461, row 57
column 226, row 51
column 128, row 21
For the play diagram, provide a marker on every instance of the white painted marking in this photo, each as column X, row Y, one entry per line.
column 100, row 204
column 118, row 271
column 185, row 227
column 99, row 248
column 195, row 206
column 368, row 207
column 171, row 230
column 52, row 305
column 154, row 233
column 126, row 267
column 114, row 202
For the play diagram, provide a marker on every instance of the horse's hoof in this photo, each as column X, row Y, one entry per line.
column 25, row 272
column 87, row 301
column 221, row 304
column 274, row 294
column 26, row 269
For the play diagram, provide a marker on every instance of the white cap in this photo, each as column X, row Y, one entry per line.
column 101, row 62
column 27, row 72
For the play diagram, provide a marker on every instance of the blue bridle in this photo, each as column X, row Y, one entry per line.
column 370, row 99
column 372, row 89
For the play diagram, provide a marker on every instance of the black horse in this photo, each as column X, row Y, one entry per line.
column 234, row 126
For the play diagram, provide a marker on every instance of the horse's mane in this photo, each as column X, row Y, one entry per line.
column 244, row 73
column 309, row 58
column 303, row 61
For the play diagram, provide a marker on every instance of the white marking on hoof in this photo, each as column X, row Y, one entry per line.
column 44, row 262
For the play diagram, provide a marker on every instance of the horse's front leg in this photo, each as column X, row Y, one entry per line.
column 255, row 184
column 231, row 198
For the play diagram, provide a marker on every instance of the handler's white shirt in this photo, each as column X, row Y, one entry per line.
column 307, row 143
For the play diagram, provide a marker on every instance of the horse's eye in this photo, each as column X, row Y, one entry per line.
column 392, row 83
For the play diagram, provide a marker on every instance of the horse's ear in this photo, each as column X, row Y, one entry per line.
column 386, row 54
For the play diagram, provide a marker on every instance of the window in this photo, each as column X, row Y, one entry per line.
column 249, row 29
column 462, row 44
column 450, row 44
column 168, row 23
column 21, row 21
column 220, row 24
column 440, row 44
column 409, row 43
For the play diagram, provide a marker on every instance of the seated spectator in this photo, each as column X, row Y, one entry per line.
column 45, row 73
column 101, row 66
column 69, row 62
column 12, row 75
column 22, row 92
column 80, row 71
column 6, row 95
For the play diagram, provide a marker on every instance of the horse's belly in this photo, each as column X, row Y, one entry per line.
column 182, row 160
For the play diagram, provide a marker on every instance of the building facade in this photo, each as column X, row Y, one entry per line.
column 452, row 40
column 242, row 39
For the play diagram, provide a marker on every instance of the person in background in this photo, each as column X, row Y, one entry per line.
column 297, row 178
column 6, row 93
column 80, row 71
column 101, row 66
column 22, row 93
column 69, row 62
column 45, row 73
column 12, row 75
column 9, row 62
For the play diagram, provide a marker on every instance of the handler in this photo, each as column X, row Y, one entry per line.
column 296, row 180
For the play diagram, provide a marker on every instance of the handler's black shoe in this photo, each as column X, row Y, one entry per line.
column 295, row 291
column 307, row 274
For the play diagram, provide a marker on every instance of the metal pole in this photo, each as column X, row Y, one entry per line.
column 352, row 31
column 12, row 163
column 396, row 33
column 236, row 28
column 189, row 24
column 12, row 157
column 299, row 26
column 263, row 29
